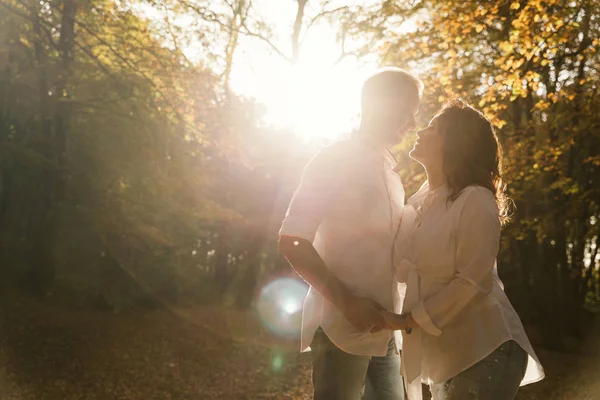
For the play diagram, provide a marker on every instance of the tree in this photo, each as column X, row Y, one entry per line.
column 532, row 66
column 102, row 158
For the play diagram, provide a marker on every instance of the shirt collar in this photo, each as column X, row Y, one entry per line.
column 425, row 193
column 389, row 158
column 438, row 191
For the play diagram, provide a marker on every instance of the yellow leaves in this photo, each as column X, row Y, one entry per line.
column 479, row 28
column 593, row 160
column 559, row 23
column 495, row 107
column 537, row 4
column 534, row 85
column 529, row 55
column 581, row 82
column 457, row 39
column 481, row 103
column 505, row 66
column 500, row 123
column 518, row 63
column 451, row 53
column 506, row 47
column 542, row 105
column 510, row 80
column 481, row 11
column 518, row 24
column 122, row 184
column 445, row 80
column 536, row 18
column 25, row 42
column 510, row 63
column 515, row 5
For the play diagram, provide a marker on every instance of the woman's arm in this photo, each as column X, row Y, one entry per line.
column 477, row 244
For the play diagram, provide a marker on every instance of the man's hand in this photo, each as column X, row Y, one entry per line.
column 398, row 322
column 394, row 321
column 364, row 314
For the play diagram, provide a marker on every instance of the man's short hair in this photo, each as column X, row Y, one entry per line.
column 390, row 82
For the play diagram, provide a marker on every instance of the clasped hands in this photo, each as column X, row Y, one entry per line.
column 367, row 315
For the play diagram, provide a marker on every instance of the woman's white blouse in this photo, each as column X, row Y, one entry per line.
column 446, row 258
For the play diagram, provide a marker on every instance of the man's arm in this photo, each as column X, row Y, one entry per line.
column 310, row 266
column 313, row 200
column 363, row 313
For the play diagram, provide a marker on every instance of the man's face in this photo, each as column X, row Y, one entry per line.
column 397, row 117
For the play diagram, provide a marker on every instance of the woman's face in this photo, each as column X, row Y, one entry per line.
column 429, row 147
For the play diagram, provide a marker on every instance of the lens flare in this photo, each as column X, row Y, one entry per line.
column 290, row 306
column 280, row 306
column 277, row 362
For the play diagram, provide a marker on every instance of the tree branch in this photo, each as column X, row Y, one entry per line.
column 265, row 39
column 320, row 15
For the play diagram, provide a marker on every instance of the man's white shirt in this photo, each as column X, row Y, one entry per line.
column 349, row 204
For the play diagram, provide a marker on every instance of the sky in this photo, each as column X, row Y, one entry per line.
column 317, row 98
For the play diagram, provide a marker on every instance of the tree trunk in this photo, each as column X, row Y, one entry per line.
column 297, row 29
column 50, row 190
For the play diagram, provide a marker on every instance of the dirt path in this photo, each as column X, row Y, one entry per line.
column 48, row 352
column 53, row 352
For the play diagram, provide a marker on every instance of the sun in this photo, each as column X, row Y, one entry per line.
column 317, row 98
column 321, row 101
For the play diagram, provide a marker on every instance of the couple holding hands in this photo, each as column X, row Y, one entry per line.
column 404, row 294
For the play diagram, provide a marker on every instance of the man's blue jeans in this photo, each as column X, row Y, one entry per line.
column 338, row 375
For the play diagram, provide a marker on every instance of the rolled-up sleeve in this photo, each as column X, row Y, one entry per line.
column 477, row 244
column 321, row 179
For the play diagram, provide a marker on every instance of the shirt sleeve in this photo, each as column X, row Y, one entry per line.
column 321, row 180
column 477, row 245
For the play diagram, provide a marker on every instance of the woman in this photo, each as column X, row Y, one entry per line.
column 460, row 333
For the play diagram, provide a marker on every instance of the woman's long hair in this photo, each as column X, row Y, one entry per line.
column 472, row 154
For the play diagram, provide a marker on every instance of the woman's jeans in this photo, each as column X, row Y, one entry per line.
column 496, row 377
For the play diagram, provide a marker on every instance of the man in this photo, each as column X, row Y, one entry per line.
column 338, row 234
